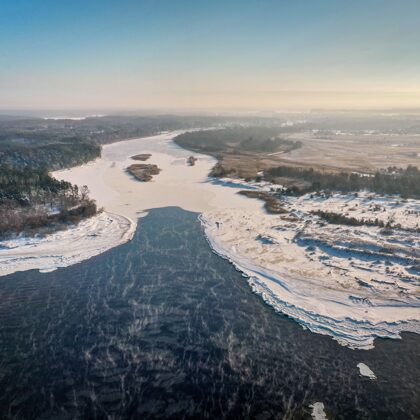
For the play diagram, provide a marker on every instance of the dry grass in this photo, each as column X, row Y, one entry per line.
column 142, row 156
column 362, row 153
column 272, row 205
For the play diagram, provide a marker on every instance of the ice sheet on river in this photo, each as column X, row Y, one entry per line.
column 66, row 247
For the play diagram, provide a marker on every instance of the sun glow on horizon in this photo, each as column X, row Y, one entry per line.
column 195, row 55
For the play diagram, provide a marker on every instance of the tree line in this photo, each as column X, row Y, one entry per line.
column 236, row 140
column 404, row 182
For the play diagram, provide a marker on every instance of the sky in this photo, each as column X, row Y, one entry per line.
column 209, row 54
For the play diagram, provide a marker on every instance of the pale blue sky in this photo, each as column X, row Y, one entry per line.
column 209, row 54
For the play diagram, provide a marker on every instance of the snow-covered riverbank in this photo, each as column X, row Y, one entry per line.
column 353, row 283
column 66, row 247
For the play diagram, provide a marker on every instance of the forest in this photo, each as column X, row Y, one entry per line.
column 57, row 144
column 405, row 182
column 238, row 140
column 31, row 199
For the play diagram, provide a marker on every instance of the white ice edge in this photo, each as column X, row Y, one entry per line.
column 328, row 303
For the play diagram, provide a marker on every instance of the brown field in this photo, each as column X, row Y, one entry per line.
column 359, row 153
column 362, row 153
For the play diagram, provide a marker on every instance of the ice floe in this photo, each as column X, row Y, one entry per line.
column 318, row 411
column 366, row 371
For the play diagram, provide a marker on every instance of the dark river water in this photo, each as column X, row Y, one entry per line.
column 163, row 328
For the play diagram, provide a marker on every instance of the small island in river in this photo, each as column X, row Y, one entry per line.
column 142, row 156
column 143, row 172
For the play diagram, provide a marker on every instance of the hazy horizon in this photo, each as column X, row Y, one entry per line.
column 185, row 55
column 210, row 209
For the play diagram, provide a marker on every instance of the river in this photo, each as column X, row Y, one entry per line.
column 161, row 327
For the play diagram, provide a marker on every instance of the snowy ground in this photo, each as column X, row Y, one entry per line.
column 353, row 283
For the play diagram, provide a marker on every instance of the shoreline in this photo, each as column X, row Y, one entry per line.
column 352, row 283
column 357, row 334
